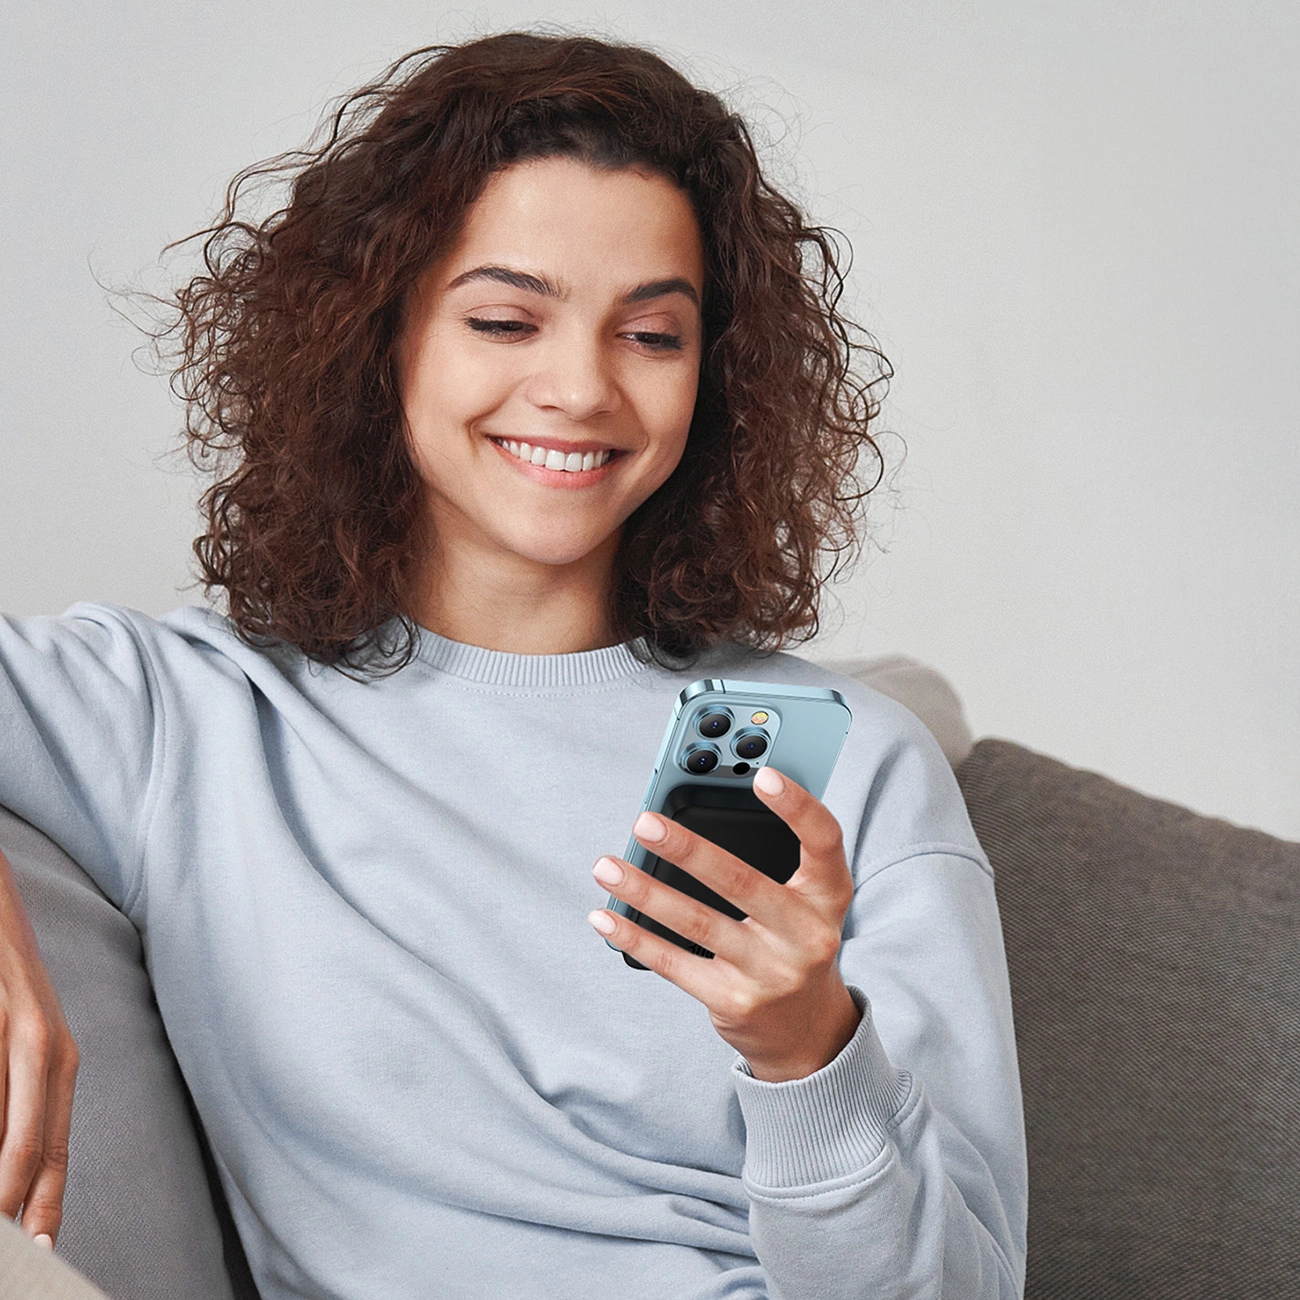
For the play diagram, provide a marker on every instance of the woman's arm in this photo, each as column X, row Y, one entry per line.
column 872, row 1170
column 899, row 1169
column 38, row 1070
column 78, row 731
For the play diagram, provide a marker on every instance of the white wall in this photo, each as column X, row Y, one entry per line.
column 1076, row 231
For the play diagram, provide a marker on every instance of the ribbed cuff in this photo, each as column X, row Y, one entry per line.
column 827, row 1126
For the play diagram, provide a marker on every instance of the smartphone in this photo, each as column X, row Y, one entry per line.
column 720, row 733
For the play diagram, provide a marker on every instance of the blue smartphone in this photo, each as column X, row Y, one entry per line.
column 719, row 734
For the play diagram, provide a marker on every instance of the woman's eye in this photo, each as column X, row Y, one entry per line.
column 659, row 342
column 500, row 328
column 656, row 341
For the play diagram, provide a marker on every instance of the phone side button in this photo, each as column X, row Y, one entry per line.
column 650, row 785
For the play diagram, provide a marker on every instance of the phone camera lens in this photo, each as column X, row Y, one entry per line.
column 715, row 724
column 701, row 760
column 740, row 769
column 750, row 744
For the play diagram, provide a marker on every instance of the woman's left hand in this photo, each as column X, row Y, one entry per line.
column 773, row 986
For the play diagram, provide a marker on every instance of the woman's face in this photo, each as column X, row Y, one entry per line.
column 549, row 362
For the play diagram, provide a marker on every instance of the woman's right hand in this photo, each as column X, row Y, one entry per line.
column 38, row 1070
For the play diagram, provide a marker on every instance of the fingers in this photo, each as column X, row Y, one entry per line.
column 43, row 1207
column 823, row 876
column 689, row 917
column 823, row 869
column 40, row 1080
column 695, row 975
column 750, row 890
column 23, row 1143
column 38, row 1071
column 773, row 990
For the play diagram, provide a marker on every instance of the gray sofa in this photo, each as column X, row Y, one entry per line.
column 1155, row 975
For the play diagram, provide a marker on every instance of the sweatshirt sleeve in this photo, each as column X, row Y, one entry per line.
column 899, row 1169
column 79, row 732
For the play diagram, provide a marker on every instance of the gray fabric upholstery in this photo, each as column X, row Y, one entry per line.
column 138, row 1215
column 1155, row 977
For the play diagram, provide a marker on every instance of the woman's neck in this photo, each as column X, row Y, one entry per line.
column 507, row 603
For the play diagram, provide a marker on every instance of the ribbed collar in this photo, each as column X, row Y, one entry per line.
column 500, row 668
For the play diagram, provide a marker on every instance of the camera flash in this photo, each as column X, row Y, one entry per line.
column 758, row 718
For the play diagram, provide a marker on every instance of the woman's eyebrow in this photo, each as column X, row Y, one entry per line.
column 661, row 289
column 515, row 279
column 539, row 284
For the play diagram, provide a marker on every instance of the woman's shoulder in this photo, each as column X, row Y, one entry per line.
column 95, row 637
column 190, row 626
column 189, row 647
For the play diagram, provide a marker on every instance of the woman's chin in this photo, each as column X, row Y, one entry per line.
column 559, row 542
column 582, row 550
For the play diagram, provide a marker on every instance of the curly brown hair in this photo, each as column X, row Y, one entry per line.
column 285, row 358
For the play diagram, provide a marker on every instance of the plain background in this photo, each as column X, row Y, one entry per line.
column 1077, row 238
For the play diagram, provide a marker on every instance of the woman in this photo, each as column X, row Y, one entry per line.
column 530, row 407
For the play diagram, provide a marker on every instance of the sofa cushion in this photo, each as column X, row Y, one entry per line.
column 138, row 1215
column 1155, row 978
column 29, row 1273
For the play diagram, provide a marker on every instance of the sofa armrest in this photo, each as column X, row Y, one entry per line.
column 138, row 1214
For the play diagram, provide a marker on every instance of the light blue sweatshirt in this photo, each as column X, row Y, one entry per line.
column 364, row 907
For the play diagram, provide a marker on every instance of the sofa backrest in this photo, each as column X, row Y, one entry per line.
column 1155, row 979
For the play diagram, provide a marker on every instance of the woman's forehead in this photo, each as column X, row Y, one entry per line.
column 570, row 226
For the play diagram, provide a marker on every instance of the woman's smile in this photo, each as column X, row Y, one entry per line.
column 558, row 464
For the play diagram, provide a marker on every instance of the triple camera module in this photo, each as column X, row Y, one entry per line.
column 747, row 743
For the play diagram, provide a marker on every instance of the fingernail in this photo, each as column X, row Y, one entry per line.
column 44, row 1240
column 602, row 921
column 768, row 780
column 608, row 872
column 649, row 827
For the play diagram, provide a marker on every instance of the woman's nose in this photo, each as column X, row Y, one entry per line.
column 576, row 378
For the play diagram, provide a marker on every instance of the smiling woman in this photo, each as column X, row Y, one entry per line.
column 535, row 166
column 530, row 407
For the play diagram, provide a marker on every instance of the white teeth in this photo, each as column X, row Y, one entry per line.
column 573, row 462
